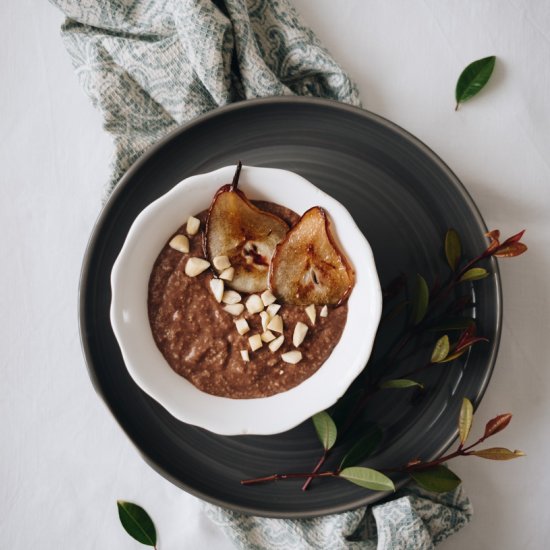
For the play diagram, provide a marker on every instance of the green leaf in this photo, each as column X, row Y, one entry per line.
column 474, row 274
column 453, row 248
column 137, row 523
column 498, row 453
column 368, row 478
column 441, row 350
column 473, row 78
column 325, row 428
column 399, row 383
column 420, row 299
column 438, row 479
column 453, row 323
column 362, row 448
column 465, row 419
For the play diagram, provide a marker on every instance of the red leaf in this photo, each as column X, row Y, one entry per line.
column 466, row 335
column 494, row 244
column 470, row 342
column 497, row 424
column 510, row 250
column 514, row 238
column 494, row 235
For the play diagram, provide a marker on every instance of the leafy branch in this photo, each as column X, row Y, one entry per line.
column 424, row 317
column 431, row 475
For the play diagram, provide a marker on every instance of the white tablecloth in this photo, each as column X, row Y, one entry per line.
column 63, row 459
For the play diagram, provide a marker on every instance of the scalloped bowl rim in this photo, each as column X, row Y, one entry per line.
column 144, row 361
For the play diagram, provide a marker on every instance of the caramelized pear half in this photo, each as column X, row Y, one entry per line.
column 245, row 234
column 308, row 267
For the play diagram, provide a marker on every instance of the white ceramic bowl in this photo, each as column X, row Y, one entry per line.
column 149, row 369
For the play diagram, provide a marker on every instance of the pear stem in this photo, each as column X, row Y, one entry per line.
column 235, row 181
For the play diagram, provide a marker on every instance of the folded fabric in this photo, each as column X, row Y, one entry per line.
column 151, row 65
column 413, row 519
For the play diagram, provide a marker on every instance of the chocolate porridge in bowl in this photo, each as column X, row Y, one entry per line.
column 248, row 299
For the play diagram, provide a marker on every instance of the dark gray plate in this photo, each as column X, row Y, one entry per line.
column 401, row 195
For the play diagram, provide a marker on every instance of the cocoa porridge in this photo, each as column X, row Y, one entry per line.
column 212, row 348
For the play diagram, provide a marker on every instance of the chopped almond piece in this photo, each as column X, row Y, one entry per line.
column 193, row 225
column 265, row 317
column 242, row 326
column 276, row 344
column 276, row 324
column 255, row 342
column 272, row 309
column 195, row 266
column 221, row 262
column 300, row 331
column 311, row 312
column 216, row 286
column 227, row 274
column 267, row 336
column 180, row 243
column 234, row 309
column 231, row 297
column 292, row 357
column 267, row 297
column 254, row 304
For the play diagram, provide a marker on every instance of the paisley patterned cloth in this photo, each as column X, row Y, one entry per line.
column 413, row 520
column 151, row 65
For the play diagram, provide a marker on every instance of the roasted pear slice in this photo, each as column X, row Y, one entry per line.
column 308, row 267
column 245, row 234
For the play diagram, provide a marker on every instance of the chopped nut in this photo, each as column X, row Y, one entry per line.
column 265, row 317
column 255, row 342
column 242, row 326
column 195, row 266
column 254, row 304
column 180, row 243
column 276, row 324
column 311, row 313
column 244, row 355
column 267, row 336
column 292, row 357
column 193, row 225
column 276, row 344
column 221, row 262
column 300, row 331
column 267, row 297
column 234, row 309
column 231, row 297
column 324, row 311
column 272, row 309
column 216, row 286
column 228, row 274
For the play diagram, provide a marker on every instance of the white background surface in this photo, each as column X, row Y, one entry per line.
column 64, row 460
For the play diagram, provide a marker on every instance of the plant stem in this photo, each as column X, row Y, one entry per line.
column 275, row 477
column 315, row 470
column 235, row 181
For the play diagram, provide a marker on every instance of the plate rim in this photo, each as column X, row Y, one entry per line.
column 104, row 212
